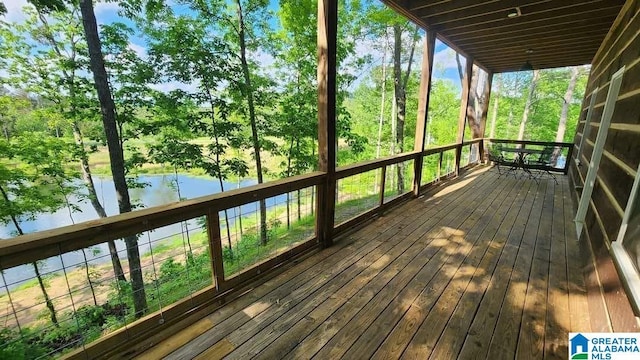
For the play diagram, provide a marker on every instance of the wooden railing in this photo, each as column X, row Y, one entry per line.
column 144, row 332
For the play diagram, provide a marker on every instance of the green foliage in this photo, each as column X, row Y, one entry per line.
column 34, row 176
column 15, row 345
column 546, row 106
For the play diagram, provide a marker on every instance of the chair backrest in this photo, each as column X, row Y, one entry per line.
column 495, row 154
column 545, row 155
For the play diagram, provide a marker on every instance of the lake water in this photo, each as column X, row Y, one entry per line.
column 160, row 189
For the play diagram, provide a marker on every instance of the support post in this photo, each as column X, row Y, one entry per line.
column 423, row 107
column 383, row 171
column 215, row 247
column 327, row 45
column 464, row 101
column 440, row 166
column 486, row 95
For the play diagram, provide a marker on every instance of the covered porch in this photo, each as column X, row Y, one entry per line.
column 482, row 266
column 463, row 264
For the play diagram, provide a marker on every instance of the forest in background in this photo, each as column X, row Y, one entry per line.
column 78, row 99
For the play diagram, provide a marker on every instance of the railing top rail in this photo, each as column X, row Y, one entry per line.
column 438, row 149
column 358, row 168
column 41, row 245
column 529, row 142
column 472, row 141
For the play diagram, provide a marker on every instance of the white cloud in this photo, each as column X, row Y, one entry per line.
column 15, row 13
column 174, row 85
column 14, row 10
column 140, row 50
column 105, row 7
column 445, row 59
column 263, row 59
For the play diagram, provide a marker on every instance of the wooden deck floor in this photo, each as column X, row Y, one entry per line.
column 483, row 268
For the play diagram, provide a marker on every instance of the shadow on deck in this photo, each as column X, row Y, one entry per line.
column 479, row 267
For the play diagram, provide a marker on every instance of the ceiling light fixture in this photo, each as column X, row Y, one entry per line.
column 527, row 66
column 515, row 12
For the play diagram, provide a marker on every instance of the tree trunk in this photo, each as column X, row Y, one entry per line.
column 43, row 288
column 494, row 111
column 383, row 91
column 116, row 155
column 252, row 118
column 216, row 140
column 527, row 105
column 473, row 105
column 93, row 198
column 289, row 155
column 562, row 124
column 400, row 90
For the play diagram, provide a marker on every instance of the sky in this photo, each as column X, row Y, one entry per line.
column 107, row 12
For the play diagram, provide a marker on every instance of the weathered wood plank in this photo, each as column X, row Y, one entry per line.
column 180, row 339
column 578, row 307
column 451, row 341
column 532, row 329
column 505, row 336
column 235, row 315
column 461, row 272
column 479, row 336
column 452, row 246
column 414, row 306
column 387, row 265
column 558, row 322
column 432, row 326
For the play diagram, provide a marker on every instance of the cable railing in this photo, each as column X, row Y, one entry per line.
column 194, row 255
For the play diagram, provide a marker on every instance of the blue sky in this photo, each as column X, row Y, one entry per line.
column 107, row 12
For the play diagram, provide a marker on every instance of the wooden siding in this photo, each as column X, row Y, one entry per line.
column 616, row 174
column 485, row 267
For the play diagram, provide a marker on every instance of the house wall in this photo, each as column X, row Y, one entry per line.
column 609, row 306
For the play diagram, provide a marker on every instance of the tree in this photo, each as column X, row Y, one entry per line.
column 527, row 105
column 566, row 102
column 400, row 92
column 114, row 144
column 34, row 179
column 47, row 57
column 496, row 100
column 294, row 47
column 183, row 50
column 12, row 109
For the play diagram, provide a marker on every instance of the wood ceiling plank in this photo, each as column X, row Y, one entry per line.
column 484, row 9
column 424, row 4
column 553, row 33
column 562, row 15
column 540, row 46
column 555, row 61
column 491, row 33
column 560, row 32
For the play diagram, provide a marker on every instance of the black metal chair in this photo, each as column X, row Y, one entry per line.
column 497, row 158
column 543, row 163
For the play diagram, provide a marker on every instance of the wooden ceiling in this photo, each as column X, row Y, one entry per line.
column 547, row 33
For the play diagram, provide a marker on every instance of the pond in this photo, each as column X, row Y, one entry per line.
column 158, row 190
